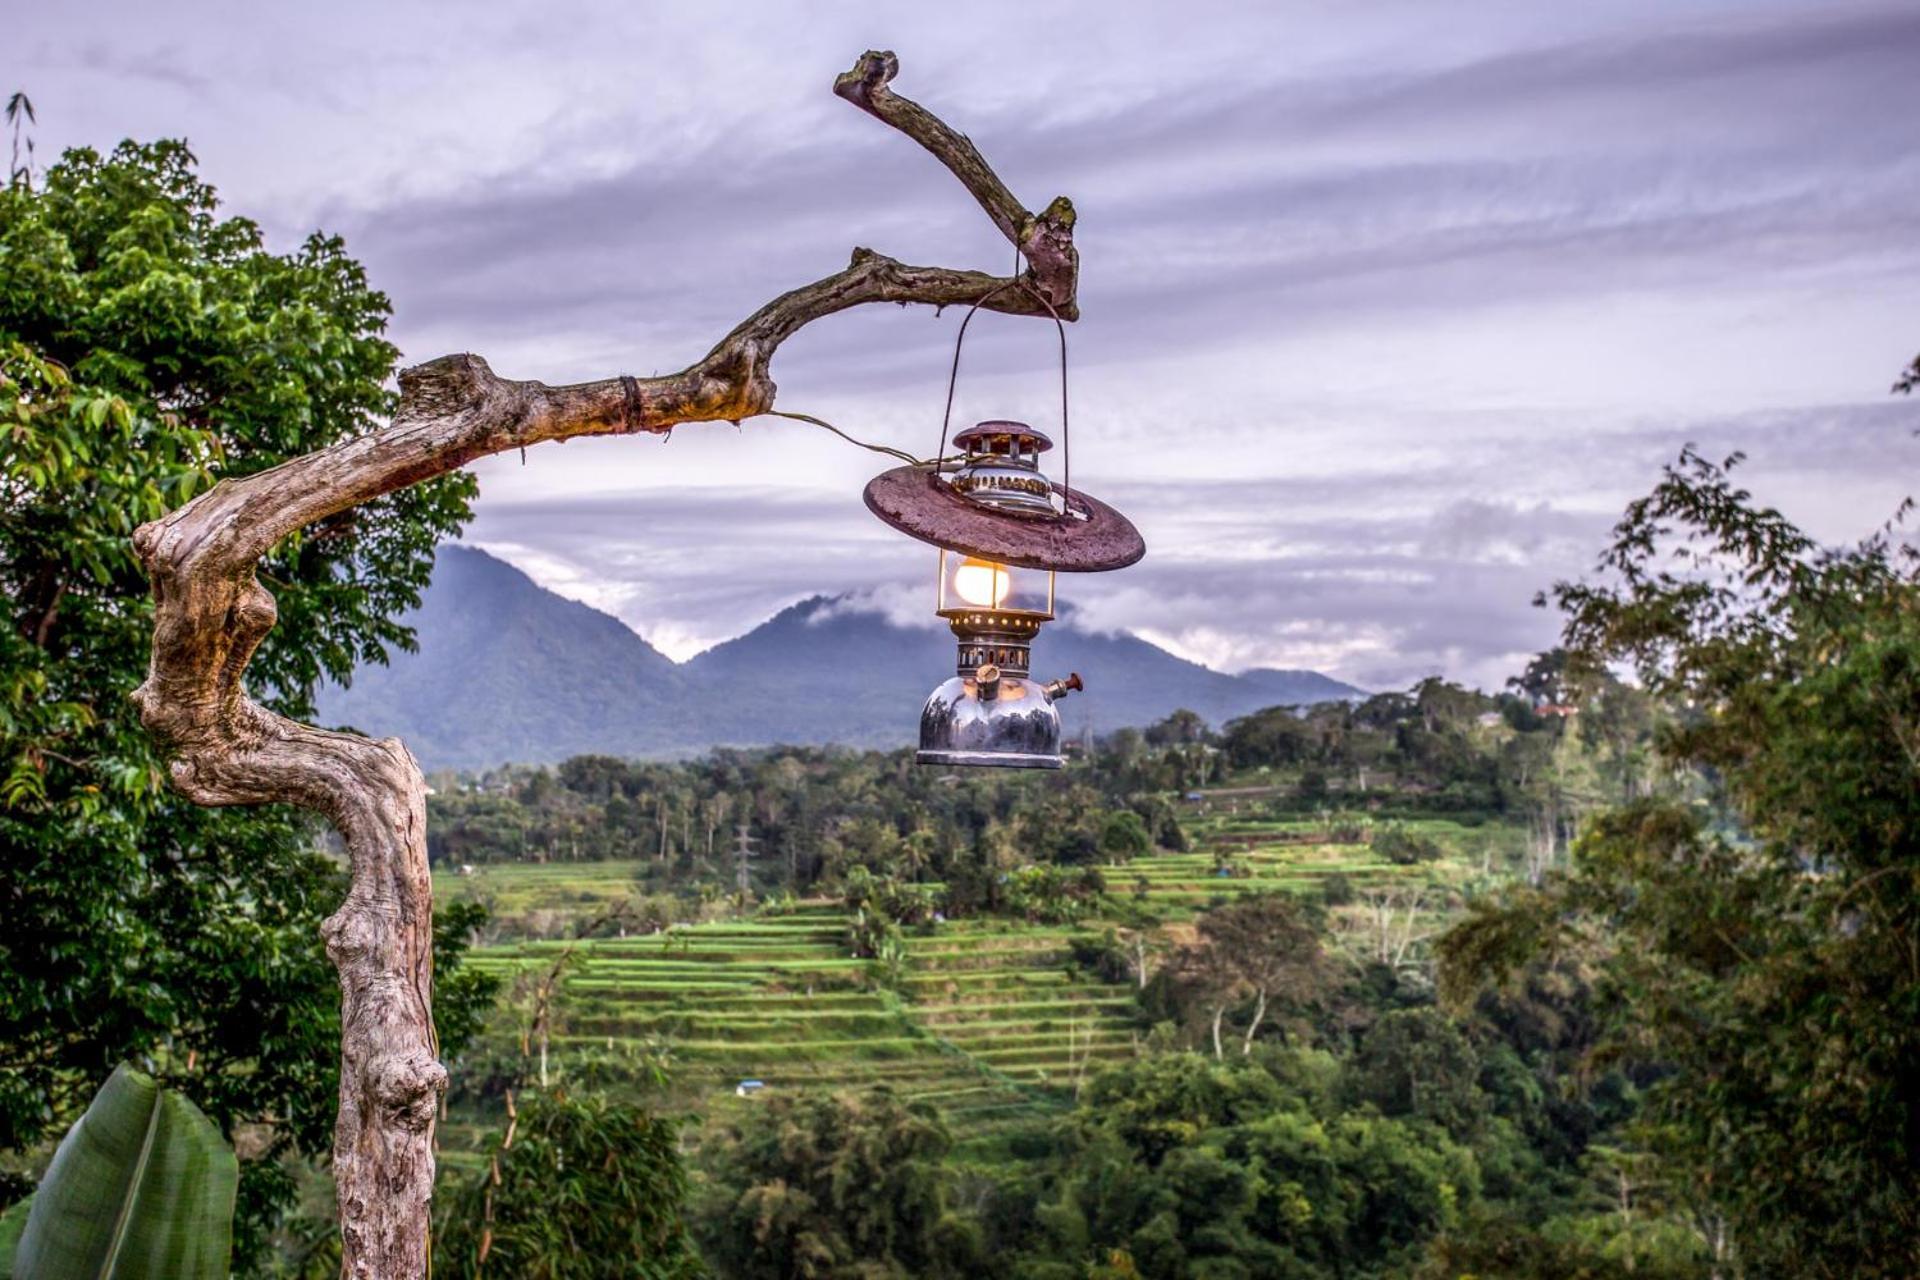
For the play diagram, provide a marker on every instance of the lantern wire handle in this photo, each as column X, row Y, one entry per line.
column 953, row 378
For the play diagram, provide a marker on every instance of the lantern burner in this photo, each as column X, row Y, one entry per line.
column 1001, row 468
column 992, row 637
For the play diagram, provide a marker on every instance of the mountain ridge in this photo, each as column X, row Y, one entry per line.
column 508, row 671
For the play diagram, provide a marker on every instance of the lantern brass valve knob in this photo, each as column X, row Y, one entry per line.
column 1058, row 689
column 987, row 682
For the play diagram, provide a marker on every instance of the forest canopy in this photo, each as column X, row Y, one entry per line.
column 149, row 345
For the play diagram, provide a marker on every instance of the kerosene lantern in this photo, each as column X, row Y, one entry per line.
column 1004, row 529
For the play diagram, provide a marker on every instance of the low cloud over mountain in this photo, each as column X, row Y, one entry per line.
column 508, row 671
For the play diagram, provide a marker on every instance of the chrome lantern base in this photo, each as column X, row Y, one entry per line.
column 1018, row 727
column 991, row 713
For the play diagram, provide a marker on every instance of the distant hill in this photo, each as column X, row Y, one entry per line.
column 820, row 671
column 509, row 671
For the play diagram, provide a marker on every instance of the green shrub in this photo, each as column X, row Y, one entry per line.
column 589, row 1188
column 1403, row 847
column 1049, row 894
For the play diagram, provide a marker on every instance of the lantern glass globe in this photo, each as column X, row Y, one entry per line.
column 981, row 583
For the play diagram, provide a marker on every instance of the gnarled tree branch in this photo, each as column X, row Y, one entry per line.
column 211, row 613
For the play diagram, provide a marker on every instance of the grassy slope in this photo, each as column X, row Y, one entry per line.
column 988, row 1019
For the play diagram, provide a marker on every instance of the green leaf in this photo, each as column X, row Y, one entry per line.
column 142, row 1188
column 12, row 1223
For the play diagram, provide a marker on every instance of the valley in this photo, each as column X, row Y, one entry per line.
column 999, row 1023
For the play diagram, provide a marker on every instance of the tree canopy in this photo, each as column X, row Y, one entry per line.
column 1764, row 965
column 148, row 347
column 833, row 1185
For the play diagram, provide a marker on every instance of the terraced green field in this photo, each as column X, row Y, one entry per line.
column 1177, row 884
column 987, row 1021
column 518, row 889
column 986, row 1017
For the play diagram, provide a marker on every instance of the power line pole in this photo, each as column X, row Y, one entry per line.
column 743, row 856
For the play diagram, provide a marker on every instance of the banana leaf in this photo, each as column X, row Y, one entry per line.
column 12, row 1223
column 141, row 1189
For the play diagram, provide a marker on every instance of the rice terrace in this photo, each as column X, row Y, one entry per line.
column 998, row 1022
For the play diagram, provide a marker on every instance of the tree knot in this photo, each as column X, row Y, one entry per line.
column 407, row 1087
column 868, row 78
column 444, row 386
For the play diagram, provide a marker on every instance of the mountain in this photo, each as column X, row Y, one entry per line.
column 822, row 671
column 509, row 671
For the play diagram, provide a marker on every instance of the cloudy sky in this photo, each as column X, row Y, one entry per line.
column 1388, row 308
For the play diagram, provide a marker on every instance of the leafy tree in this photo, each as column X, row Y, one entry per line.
column 1544, row 679
column 1164, row 1102
column 1350, row 1190
column 1124, row 837
column 1758, row 954
column 832, row 1185
column 585, row 1189
column 1513, row 1250
column 1180, row 728
column 1417, row 1063
column 144, row 340
column 1442, row 704
column 1617, row 724
column 1049, row 894
column 1403, row 847
column 1276, row 736
column 1263, row 949
column 1191, row 1167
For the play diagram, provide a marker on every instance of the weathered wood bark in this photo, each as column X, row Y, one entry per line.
column 211, row 612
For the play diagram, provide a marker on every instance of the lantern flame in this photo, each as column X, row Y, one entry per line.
column 982, row 583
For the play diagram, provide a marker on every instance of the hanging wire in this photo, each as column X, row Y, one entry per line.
column 889, row 450
column 940, row 457
column 953, row 378
column 953, row 375
column 1066, row 435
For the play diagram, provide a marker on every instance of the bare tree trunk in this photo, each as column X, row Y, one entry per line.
column 1259, row 1012
column 1540, row 838
column 1381, row 901
column 1415, row 899
column 211, row 612
column 1219, row 1013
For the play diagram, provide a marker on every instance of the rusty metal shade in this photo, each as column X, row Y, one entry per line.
column 1090, row 538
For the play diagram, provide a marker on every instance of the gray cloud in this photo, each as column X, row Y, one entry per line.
column 1387, row 310
column 1379, row 576
column 1677, row 158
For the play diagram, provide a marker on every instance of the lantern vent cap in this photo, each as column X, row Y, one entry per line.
column 1003, row 437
